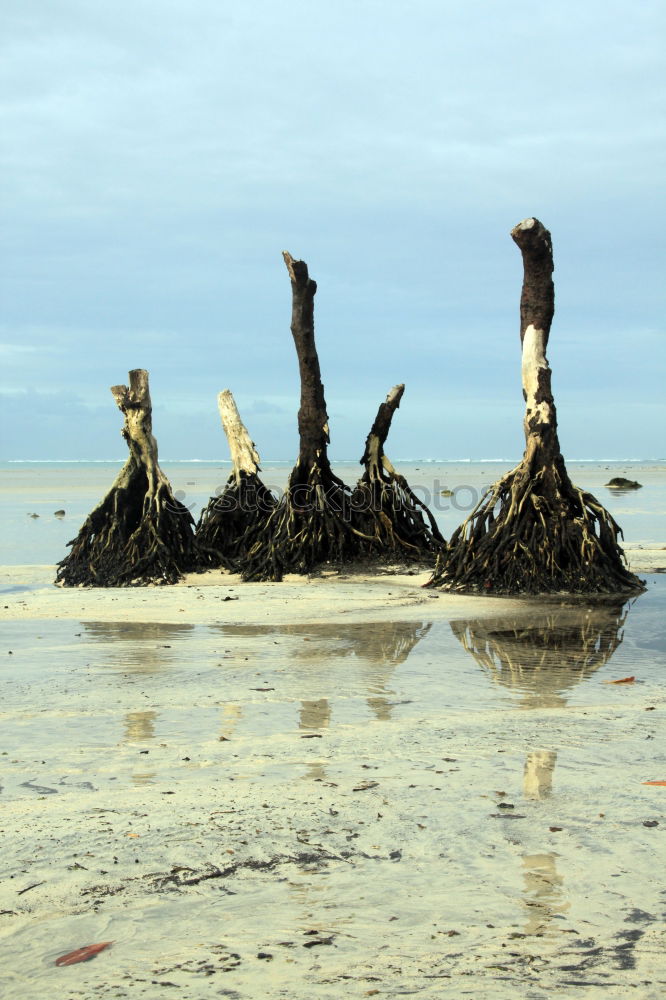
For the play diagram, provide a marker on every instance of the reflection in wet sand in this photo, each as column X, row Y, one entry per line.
column 138, row 647
column 548, row 653
column 140, row 726
column 315, row 714
column 543, row 657
column 538, row 774
column 231, row 716
column 380, row 647
column 378, row 642
column 544, row 897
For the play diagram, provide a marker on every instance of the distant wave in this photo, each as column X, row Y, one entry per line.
column 65, row 461
column 336, row 461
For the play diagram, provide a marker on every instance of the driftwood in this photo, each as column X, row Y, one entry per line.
column 314, row 522
column 139, row 533
column 534, row 531
column 399, row 523
column 230, row 521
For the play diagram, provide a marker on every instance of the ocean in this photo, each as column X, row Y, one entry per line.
column 41, row 488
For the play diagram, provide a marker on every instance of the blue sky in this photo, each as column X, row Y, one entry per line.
column 158, row 155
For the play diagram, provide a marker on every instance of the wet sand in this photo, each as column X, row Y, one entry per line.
column 333, row 787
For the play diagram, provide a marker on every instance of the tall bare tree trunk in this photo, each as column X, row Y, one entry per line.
column 388, row 509
column 534, row 531
column 314, row 523
column 139, row 533
column 313, row 429
column 230, row 521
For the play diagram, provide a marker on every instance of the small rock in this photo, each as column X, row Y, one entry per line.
column 619, row 483
column 58, row 513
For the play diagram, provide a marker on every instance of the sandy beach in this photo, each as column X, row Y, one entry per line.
column 337, row 786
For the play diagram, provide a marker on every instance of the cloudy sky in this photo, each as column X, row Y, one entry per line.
column 158, row 155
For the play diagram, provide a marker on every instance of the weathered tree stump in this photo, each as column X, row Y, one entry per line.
column 139, row 533
column 230, row 521
column 314, row 522
column 399, row 524
column 534, row 531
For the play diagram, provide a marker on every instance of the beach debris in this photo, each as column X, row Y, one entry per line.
column 33, row 515
column 364, row 785
column 619, row 483
column 622, row 680
column 229, row 523
column 314, row 522
column 389, row 512
column 651, row 822
column 661, row 783
column 83, row 954
column 29, row 887
column 140, row 532
column 315, row 942
column 533, row 531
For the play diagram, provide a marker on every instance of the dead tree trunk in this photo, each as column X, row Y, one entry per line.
column 314, row 523
column 534, row 531
column 388, row 509
column 139, row 533
column 229, row 523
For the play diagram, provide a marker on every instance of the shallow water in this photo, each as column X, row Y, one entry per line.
column 441, row 809
column 142, row 681
column 77, row 488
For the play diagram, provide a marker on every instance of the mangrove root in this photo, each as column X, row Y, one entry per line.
column 231, row 520
column 534, row 531
column 314, row 522
column 399, row 524
column 139, row 533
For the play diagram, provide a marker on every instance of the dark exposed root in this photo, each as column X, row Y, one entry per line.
column 313, row 524
column 132, row 537
column 231, row 522
column 532, row 534
column 398, row 523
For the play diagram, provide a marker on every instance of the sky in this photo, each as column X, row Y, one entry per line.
column 158, row 155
